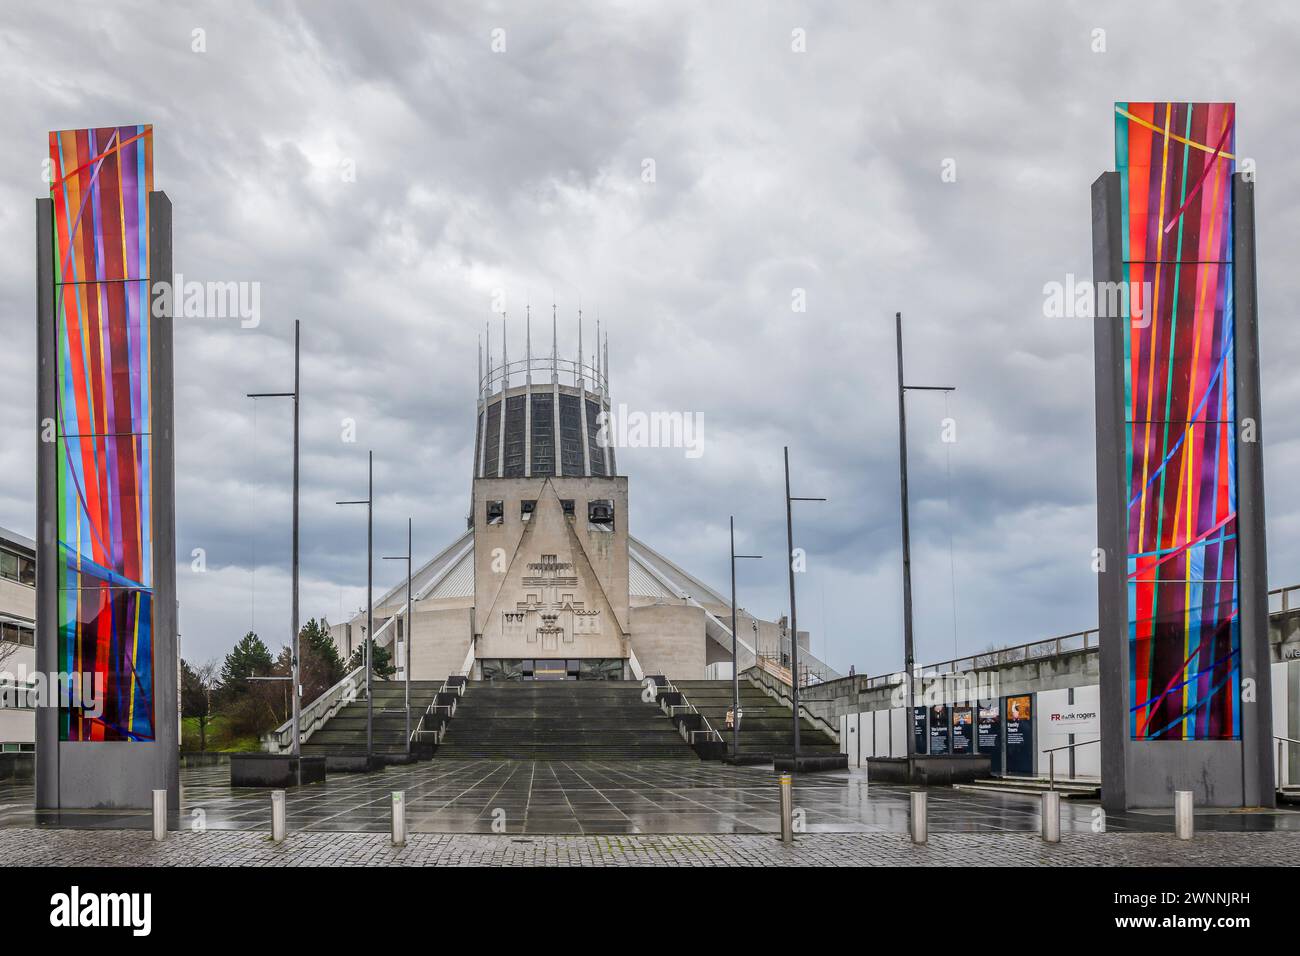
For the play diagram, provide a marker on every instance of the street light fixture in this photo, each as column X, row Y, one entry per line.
column 735, row 669
column 410, row 610
column 794, row 625
column 908, row 647
column 295, row 394
column 369, row 502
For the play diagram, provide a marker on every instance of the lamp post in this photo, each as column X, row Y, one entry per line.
column 908, row 647
column 794, row 625
column 369, row 502
column 735, row 669
column 297, row 686
column 410, row 609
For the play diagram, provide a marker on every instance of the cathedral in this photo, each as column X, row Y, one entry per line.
column 546, row 583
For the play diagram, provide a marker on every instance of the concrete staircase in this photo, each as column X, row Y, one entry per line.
column 343, row 738
column 766, row 727
column 1032, row 786
column 560, row 720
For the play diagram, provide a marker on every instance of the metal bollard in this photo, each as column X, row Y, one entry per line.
column 1183, row 819
column 1051, row 817
column 917, row 823
column 277, row 816
column 399, row 818
column 787, row 808
column 160, row 814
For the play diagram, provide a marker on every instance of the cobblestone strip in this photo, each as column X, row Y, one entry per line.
column 53, row 847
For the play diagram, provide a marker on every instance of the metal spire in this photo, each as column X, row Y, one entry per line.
column 528, row 343
column 505, row 359
column 578, row 380
column 555, row 348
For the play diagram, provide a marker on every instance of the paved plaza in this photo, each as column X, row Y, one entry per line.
column 617, row 798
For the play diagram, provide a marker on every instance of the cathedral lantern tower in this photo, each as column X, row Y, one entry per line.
column 549, row 518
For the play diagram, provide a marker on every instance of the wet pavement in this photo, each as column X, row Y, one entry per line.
column 612, row 798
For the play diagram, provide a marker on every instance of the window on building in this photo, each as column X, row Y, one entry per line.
column 600, row 514
column 496, row 512
column 19, row 634
column 18, row 567
column 526, row 509
column 567, row 505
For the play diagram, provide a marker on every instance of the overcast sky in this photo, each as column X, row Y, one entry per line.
column 522, row 170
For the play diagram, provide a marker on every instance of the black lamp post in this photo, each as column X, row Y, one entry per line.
column 908, row 647
column 369, row 502
column 794, row 626
column 297, row 686
column 735, row 670
column 406, row 644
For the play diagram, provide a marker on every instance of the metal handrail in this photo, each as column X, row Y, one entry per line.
column 312, row 717
column 458, row 690
column 1048, row 750
column 1034, row 650
column 815, row 719
column 691, row 708
column 1051, row 759
column 570, row 368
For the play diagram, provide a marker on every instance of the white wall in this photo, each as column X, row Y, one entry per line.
column 18, row 726
column 1087, row 760
column 1283, row 726
column 897, row 733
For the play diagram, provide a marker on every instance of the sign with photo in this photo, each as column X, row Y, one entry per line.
column 940, row 715
column 963, row 730
column 1020, row 733
column 988, row 732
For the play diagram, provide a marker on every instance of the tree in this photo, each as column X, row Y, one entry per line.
column 249, row 658
column 197, row 685
column 252, row 707
column 320, row 666
column 381, row 660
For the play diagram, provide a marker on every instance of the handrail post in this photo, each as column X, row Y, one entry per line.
column 1051, row 770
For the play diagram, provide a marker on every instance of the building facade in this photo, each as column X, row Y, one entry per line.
column 547, row 582
column 17, row 640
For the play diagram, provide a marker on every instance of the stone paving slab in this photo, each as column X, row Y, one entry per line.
column 52, row 847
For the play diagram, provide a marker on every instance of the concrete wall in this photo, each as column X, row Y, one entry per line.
column 577, row 606
column 878, row 740
column 18, row 726
column 669, row 639
column 17, row 599
column 442, row 637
